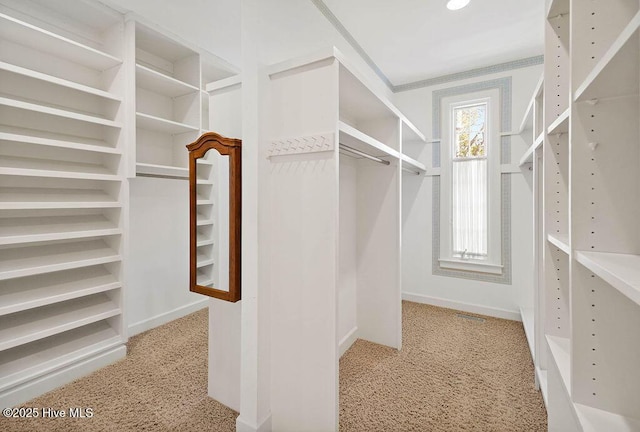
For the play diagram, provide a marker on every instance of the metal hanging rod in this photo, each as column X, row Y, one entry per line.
column 411, row 171
column 364, row 155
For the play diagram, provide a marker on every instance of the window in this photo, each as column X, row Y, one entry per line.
column 470, row 186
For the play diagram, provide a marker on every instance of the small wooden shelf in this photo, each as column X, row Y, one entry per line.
column 28, row 73
column 28, row 326
column 27, row 105
column 33, row 260
column 621, row 271
column 30, row 361
column 157, row 82
column 30, row 167
column 35, row 291
column 36, row 229
column 37, row 137
column 161, row 171
column 561, row 124
column 559, row 348
column 560, row 241
column 25, row 34
column 363, row 142
column 149, row 122
column 527, row 322
column 596, row 420
column 616, row 74
column 42, row 198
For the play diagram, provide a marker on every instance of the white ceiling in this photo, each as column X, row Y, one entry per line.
column 413, row 40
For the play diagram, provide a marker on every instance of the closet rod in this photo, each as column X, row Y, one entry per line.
column 364, row 155
column 411, row 171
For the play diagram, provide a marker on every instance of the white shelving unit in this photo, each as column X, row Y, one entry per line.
column 171, row 102
column 336, row 218
column 63, row 199
column 591, row 201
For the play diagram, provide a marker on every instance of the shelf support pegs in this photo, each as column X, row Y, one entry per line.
column 593, row 146
column 592, row 102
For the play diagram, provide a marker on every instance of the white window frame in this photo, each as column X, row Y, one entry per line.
column 492, row 264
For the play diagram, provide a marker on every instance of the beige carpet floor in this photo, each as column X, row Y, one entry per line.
column 452, row 374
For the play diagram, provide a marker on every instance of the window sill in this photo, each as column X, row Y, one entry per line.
column 471, row 266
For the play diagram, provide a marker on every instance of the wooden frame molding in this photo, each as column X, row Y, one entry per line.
column 231, row 147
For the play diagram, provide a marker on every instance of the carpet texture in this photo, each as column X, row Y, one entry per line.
column 160, row 386
column 452, row 374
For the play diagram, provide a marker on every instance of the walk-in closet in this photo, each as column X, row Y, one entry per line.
column 319, row 215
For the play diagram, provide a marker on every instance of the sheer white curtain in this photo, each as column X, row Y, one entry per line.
column 469, row 207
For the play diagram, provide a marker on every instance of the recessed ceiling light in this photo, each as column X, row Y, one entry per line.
column 457, row 4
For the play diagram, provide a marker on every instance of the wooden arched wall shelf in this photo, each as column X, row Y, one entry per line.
column 231, row 147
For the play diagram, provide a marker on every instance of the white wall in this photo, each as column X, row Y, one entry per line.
column 418, row 281
column 211, row 25
column 158, row 262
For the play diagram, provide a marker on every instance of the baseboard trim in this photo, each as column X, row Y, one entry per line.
column 46, row 383
column 243, row 426
column 348, row 340
column 465, row 307
column 163, row 318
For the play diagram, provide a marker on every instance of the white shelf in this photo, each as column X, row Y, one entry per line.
column 27, row 105
column 33, row 260
column 621, row 271
column 560, row 241
column 42, row 198
column 544, row 387
column 539, row 140
column 363, row 142
column 561, row 124
column 30, row 361
column 412, row 164
column 206, row 242
column 223, row 84
column 157, row 82
column 35, row 291
column 37, row 137
column 203, row 279
column 596, row 420
column 559, row 348
column 527, row 322
column 204, row 222
column 527, row 157
column 201, row 202
column 31, row 167
column 149, row 122
column 204, row 261
column 356, row 95
column 34, row 324
column 616, row 74
column 161, row 170
column 526, row 123
column 18, row 70
column 557, row 7
column 31, row 36
column 35, row 229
